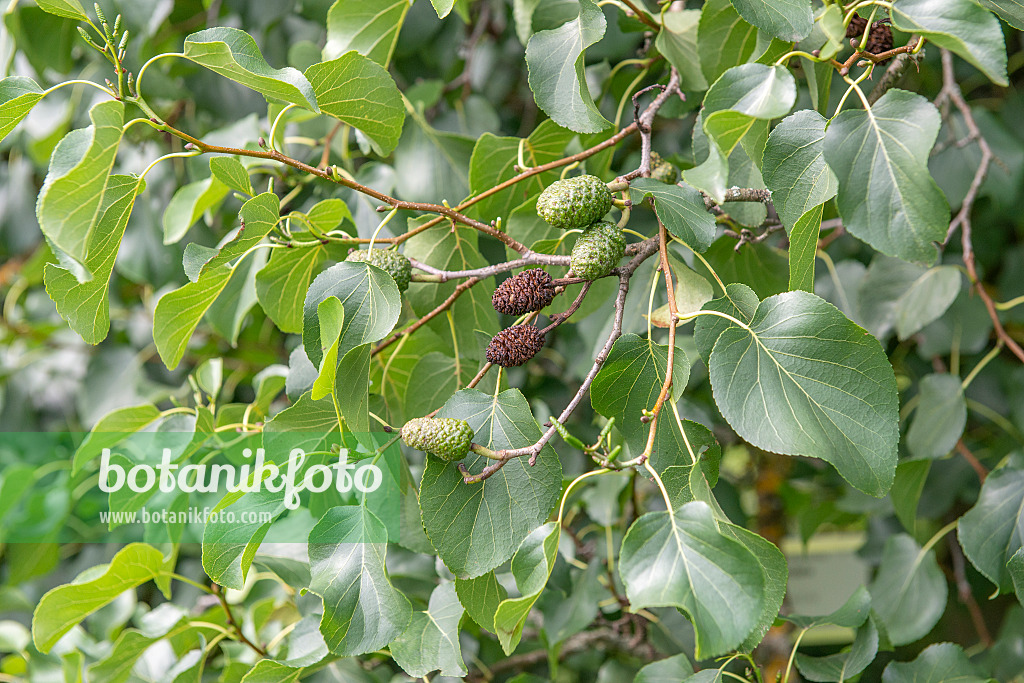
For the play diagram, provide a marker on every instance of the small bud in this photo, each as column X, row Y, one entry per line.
column 261, row 142
column 645, row 419
column 189, row 146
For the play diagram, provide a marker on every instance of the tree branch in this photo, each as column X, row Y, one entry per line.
column 951, row 92
column 645, row 250
column 644, row 121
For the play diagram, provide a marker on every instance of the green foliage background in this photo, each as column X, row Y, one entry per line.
column 851, row 391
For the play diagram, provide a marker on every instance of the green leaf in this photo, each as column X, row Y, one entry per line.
column 188, row 204
column 431, row 641
column 723, row 38
column 178, row 313
column 111, row 430
column 629, row 383
column 1015, row 567
column 960, row 26
column 443, row 8
column 803, row 246
column 776, row 575
column 228, row 549
column 852, row 614
column 269, row 671
column 763, row 268
column 1010, row 11
column 281, row 284
column 677, row 40
column 927, row 300
column 475, row 528
column 233, row 54
column 681, row 559
column 353, row 388
column 70, row 9
column 909, row 592
column 738, row 103
column 691, row 291
column 447, row 155
column 557, row 79
column 531, row 567
column 18, row 95
column 566, row 614
column 231, row 173
column 906, row 490
column 794, row 166
column 371, row 301
column 681, row 208
column 886, row 195
column 940, row 417
column 939, row 663
column 481, row 597
column 370, row 27
column 363, row 611
column 991, row 531
column 670, row 670
column 804, row 380
column 70, row 200
column 843, row 665
column 62, row 608
column 904, row 296
column 786, row 19
column 86, row 305
column 739, row 301
column 331, row 318
column 327, row 214
column 358, row 91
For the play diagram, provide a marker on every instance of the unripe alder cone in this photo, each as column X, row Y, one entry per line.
column 514, row 345
column 446, row 437
column 524, row 292
column 598, row 250
column 663, row 170
column 389, row 260
column 574, row 202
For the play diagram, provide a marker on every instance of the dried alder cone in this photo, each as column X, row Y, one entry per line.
column 524, row 292
column 445, row 437
column 879, row 39
column 514, row 345
column 598, row 250
column 389, row 260
column 574, row 202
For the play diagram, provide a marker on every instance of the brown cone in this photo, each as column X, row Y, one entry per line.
column 514, row 345
column 880, row 39
column 856, row 27
column 524, row 292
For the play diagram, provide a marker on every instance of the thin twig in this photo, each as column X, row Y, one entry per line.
column 644, row 121
column 966, row 595
column 972, row 460
column 234, row 624
column 533, row 259
column 673, row 312
column 392, row 202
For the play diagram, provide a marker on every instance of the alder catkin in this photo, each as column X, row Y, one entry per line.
column 524, row 292
column 515, row 345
